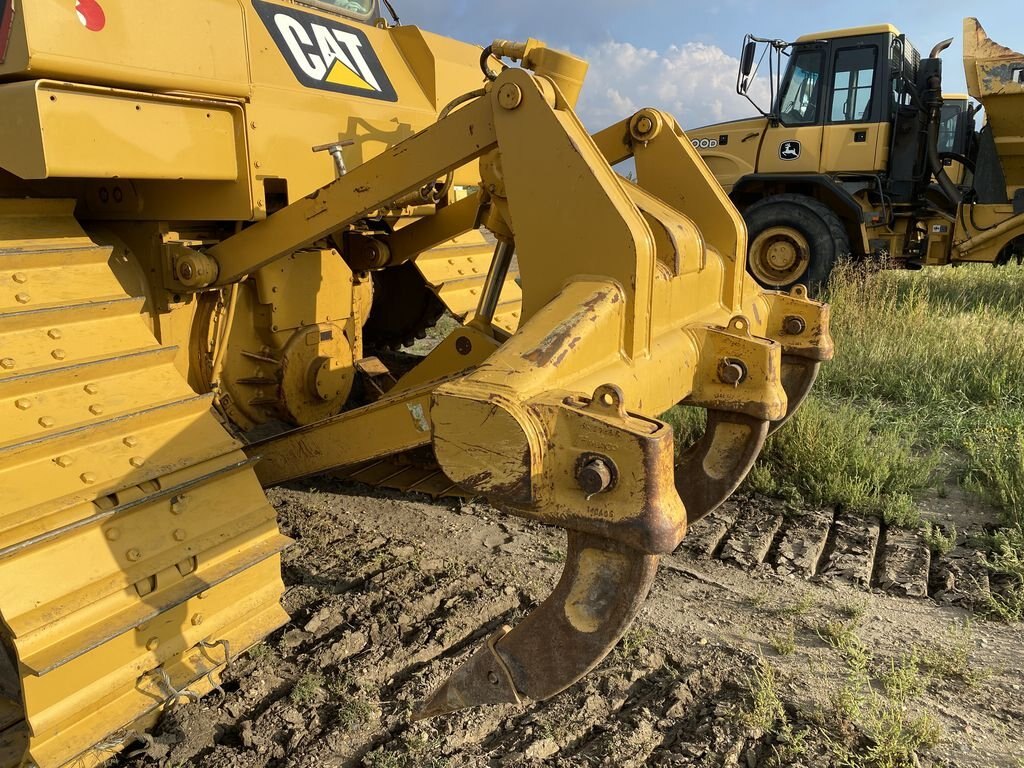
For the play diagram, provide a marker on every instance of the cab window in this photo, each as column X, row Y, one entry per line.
column 853, row 85
column 360, row 9
column 798, row 101
column 949, row 127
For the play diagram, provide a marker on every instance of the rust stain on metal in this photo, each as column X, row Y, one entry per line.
column 592, row 595
column 480, row 480
column 557, row 345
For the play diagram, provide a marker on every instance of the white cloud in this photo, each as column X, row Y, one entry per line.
column 695, row 82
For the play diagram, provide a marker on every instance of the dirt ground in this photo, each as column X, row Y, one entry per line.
column 388, row 594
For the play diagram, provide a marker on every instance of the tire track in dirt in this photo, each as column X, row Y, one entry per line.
column 831, row 546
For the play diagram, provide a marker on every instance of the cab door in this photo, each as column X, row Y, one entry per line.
column 857, row 129
column 794, row 144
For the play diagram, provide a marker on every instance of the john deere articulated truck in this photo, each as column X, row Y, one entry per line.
column 859, row 153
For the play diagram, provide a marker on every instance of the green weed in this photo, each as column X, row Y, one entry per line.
column 415, row 751
column 949, row 657
column 835, row 452
column 1006, row 563
column 938, row 539
column 307, row 688
column 554, row 554
column 766, row 708
column 903, row 679
column 633, row 642
column 260, row 652
column 996, row 451
column 785, row 644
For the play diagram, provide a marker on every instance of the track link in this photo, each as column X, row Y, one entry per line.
column 138, row 552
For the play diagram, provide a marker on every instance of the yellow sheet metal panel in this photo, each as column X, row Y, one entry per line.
column 319, row 77
column 21, row 140
column 186, row 45
column 72, row 132
column 843, row 149
column 791, row 149
column 832, row 34
column 729, row 149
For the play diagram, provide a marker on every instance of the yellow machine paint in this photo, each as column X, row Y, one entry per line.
column 839, row 164
column 227, row 214
column 993, row 228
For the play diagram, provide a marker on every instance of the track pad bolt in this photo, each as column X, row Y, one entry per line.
column 732, row 372
column 794, row 326
column 180, row 535
column 63, row 461
column 22, row 404
column 178, row 505
column 133, row 555
column 137, row 461
column 197, row 620
column 153, row 644
column 88, row 478
column 596, row 475
column 7, row 363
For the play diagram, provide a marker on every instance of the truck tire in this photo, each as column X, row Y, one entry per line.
column 793, row 240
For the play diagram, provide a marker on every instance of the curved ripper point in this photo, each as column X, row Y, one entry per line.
column 798, row 376
column 601, row 590
column 712, row 468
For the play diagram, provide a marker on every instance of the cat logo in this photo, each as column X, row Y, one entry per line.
column 6, row 25
column 326, row 54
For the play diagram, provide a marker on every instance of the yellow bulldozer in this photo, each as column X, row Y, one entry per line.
column 220, row 218
column 858, row 153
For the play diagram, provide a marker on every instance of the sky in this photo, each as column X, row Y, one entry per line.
column 682, row 56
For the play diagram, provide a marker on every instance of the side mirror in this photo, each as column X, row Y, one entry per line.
column 747, row 62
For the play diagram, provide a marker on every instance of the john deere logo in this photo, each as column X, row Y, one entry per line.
column 790, row 150
column 324, row 53
column 6, row 24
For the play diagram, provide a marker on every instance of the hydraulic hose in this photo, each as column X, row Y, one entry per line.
column 934, row 103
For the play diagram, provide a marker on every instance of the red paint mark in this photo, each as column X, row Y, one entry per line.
column 91, row 14
column 6, row 24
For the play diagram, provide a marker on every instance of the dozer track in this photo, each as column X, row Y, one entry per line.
column 138, row 552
